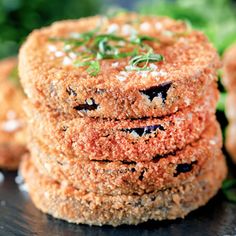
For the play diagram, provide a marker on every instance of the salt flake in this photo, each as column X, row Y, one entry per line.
column 145, row 26
column 1, row 177
column 11, row 125
column 115, row 64
column 112, row 28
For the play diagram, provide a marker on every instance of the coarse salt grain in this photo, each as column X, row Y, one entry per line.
column 154, row 73
column 72, row 55
column 67, row 61
column 1, row 177
column 112, row 28
column 115, row 64
column 163, row 73
column 124, row 73
column 59, row 54
column 158, row 26
column 47, row 167
column 52, row 48
column 129, row 68
column 46, row 194
column 145, row 26
column 19, row 179
column 212, row 142
column 20, row 182
column 120, row 78
column 143, row 73
column 11, row 125
column 153, row 66
column 128, row 30
column 89, row 101
column 23, row 187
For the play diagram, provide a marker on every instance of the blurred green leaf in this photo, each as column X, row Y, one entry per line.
column 229, row 189
column 19, row 17
column 217, row 18
column 221, row 102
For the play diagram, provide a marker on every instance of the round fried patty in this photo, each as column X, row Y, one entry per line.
column 12, row 132
column 68, row 203
column 117, row 177
column 124, row 140
column 58, row 70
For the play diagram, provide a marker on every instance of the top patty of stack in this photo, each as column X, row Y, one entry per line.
column 129, row 66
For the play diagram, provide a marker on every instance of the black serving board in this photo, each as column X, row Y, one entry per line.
column 19, row 217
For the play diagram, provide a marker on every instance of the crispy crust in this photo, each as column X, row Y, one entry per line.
column 10, row 155
column 190, row 63
column 112, row 178
column 230, row 107
column 99, row 139
column 230, row 141
column 66, row 202
column 10, row 96
column 12, row 132
column 229, row 68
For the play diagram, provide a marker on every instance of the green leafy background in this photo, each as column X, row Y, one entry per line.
column 217, row 18
column 19, row 17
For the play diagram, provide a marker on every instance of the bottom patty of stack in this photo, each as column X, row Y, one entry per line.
column 64, row 201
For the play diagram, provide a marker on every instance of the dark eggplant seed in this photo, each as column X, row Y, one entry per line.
column 128, row 162
column 64, row 128
column 157, row 91
column 70, row 91
column 183, row 168
column 89, row 105
column 141, row 175
column 145, row 130
column 59, row 163
column 153, row 198
column 100, row 91
column 158, row 156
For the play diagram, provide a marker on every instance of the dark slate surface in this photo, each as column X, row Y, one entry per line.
column 19, row 217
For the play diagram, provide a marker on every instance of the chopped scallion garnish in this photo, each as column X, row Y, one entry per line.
column 93, row 67
column 144, row 59
column 90, row 47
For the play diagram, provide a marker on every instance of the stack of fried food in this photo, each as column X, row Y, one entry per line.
column 12, row 132
column 229, row 81
column 121, row 116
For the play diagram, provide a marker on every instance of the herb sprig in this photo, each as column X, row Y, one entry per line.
column 91, row 47
column 144, row 59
